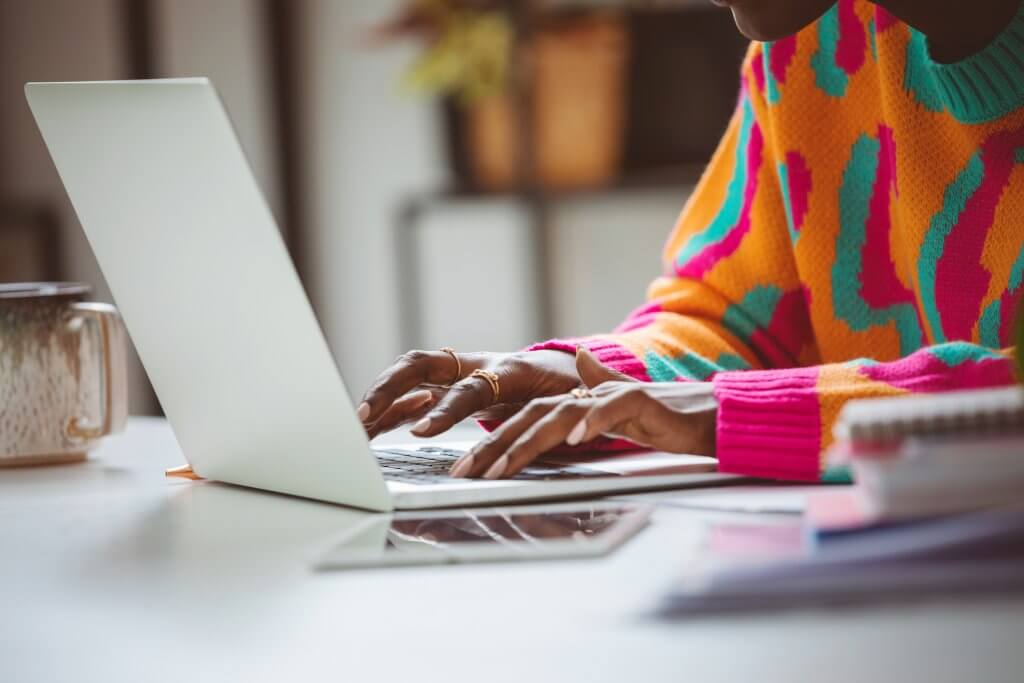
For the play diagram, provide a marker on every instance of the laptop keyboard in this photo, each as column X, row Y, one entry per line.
column 430, row 465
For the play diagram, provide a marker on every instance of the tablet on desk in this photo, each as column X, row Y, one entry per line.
column 488, row 535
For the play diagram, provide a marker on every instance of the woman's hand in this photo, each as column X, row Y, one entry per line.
column 669, row 416
column 435, row 390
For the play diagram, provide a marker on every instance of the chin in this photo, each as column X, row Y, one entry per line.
column 766, row 20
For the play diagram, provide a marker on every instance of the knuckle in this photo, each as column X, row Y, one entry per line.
column 464, row 389
column 488, row 441
column 514, row 364
column 412, row 357
column 378, row 393
column 519, row 447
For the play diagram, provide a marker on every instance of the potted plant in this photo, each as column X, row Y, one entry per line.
column 542, row 95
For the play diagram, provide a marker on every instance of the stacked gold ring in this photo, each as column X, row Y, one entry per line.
column 580, row 392
column 492, row 379
column 458, row 365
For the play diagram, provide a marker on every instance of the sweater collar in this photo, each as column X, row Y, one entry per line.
column 988, row 84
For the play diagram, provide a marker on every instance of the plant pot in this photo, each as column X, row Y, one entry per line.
column 577, row 76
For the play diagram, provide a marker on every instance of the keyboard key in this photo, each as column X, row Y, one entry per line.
column 430, row 465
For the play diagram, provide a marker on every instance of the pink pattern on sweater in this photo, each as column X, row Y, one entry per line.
column 852, row 43
column 641, row 317
column 923, row 372
column 788, row 331
column 782, row 53
column 798, row 178
column 880, row 286
column 883, row 19
column 757, row 70
column 960, row 279
column 698, row 266
column 1009, row 303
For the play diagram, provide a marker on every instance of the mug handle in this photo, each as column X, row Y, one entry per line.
column 113, row 383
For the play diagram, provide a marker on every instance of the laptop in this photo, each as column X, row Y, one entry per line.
column 203, row 280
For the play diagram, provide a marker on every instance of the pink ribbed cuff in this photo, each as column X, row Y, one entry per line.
column 769, row 423
column 608, row 352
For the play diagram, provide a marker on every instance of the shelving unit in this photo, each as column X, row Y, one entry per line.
column 702, row 31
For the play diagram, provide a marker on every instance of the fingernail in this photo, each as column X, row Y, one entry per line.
column 576, row 435
column 422, row 425
column 497, row 469
column 463, row 466
column 363, row 411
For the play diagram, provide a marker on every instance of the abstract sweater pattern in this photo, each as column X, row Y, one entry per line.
column 858, row 232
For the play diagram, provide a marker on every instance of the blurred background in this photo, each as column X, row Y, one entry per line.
column 478, row 174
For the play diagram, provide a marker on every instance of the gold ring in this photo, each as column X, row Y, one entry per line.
column 579, row 392
column 491, row 378
column 458, row 365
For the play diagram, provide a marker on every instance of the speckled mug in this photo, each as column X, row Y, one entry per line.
column 62, row 373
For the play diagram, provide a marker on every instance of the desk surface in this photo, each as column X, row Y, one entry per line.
column 109, row 572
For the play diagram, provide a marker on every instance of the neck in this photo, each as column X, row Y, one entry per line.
column 955, row 29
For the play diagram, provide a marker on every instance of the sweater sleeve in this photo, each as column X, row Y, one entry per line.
column 729, row 297
column 729, row 308
column 778, row 423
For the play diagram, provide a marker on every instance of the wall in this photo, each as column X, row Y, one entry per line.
column 370, row 146
column 53, row 40
column 228, row 41
column 608, row 251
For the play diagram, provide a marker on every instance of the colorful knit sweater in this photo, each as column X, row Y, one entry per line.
column 859, row 232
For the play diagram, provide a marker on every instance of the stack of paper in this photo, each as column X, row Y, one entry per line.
column 935, row 454
column 968, row 554
column 938, row 508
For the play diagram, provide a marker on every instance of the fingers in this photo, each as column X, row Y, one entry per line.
column 409, row 371
column 483, row 455
column 410, row 407
column 539, row 438
column 499, row 412
column 469, row 396
column 593, row 372
column 630, row 412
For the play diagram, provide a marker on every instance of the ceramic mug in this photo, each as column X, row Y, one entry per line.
column 62, row 373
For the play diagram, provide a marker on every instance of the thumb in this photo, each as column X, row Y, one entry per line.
column 593, row 372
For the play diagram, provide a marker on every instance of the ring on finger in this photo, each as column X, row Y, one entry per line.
column 458, row 365
column 580, row 392
column 492, row 380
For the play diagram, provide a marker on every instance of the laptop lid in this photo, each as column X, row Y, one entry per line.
column 204, row 283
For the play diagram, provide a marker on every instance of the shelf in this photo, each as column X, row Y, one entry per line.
column 631, row 5
column 669, row 178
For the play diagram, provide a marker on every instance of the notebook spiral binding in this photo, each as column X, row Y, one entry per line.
column 975, row 412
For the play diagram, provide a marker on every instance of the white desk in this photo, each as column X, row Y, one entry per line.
column 109, row 572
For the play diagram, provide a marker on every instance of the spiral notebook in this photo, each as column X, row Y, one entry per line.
column 976, row 412
column 933, row 454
